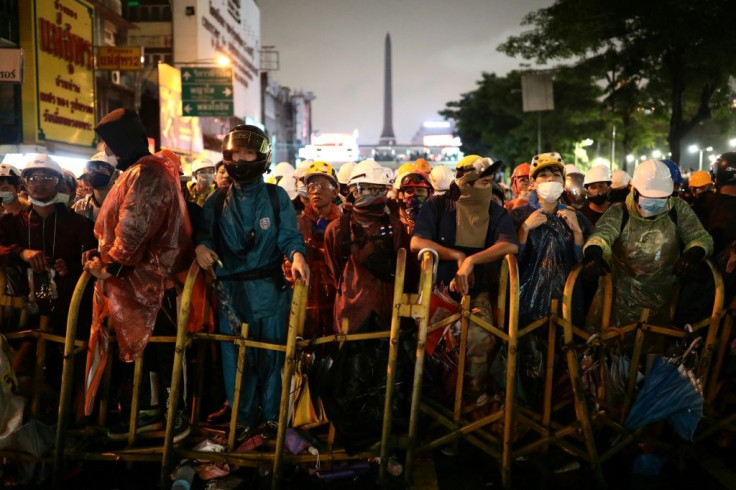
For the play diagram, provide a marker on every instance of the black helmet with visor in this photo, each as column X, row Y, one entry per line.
column 246, row 137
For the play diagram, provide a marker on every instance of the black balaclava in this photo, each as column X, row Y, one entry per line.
column 122, row 130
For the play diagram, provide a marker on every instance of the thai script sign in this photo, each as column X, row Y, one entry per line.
column 65, row 71
column 121, row 58
column 11, row 66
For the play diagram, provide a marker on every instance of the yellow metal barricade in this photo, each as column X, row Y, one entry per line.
column 14, row 308
column 614, row 417
column 453, row 420
column 275, row 455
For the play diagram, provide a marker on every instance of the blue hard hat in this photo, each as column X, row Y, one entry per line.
column 674, row 171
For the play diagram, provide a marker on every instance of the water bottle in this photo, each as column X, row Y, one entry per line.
column 183, row 478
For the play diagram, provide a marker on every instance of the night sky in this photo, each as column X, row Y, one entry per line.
column 334, row 48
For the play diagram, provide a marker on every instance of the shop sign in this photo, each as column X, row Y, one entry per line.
column 65, row 71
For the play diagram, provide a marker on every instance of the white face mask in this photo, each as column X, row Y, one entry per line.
column 7, row 197
column 549, row 191
column 60, row 197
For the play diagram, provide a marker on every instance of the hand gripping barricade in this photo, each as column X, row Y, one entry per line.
column 455, row 421
column 274, row 453
column 613, row 414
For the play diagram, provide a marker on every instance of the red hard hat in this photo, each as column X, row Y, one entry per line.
column 416, row 179
column 521, row 171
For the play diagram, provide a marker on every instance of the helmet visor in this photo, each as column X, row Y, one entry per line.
column 248, row 140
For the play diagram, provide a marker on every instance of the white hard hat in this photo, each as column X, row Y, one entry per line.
column 202, row 163
column 7, row 170
column 441, row 177
column 343, row 174
column 288, row 183
column 389, row 174
column 652, row 178
column 300, row 171
column 304, row 163
column 283, row 169
column 599, row 173
column 620, row 179
column 101, row 156
column 571, row 169
column 42, row 160
column 368, row 172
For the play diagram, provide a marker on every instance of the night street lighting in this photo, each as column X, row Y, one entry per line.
column 696, row 148
column 732, row 142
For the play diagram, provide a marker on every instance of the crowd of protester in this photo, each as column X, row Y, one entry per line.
column 135, row 223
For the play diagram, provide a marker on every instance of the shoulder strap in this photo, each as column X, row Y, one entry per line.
column 345, row 238
column 274, row 198
column 673, row 215
column 220, row 198
column 624, row 217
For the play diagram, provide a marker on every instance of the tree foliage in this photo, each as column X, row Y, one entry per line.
column 661, row 55
column 490, row 120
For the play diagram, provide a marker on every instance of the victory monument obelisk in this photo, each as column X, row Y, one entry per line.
column 387, row 134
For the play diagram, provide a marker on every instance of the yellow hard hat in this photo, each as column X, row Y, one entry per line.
column 321, row 168
column 546, row 160
column 700, row 178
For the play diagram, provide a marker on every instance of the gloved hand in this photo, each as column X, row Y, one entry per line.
column 688, row 260
column 594, row 265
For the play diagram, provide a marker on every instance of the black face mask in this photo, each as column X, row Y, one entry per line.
column 98, row 180
column 598, row 199
column 243, row 172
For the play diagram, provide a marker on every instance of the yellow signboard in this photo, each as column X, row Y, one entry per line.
column 121, row 58
column 65, row 71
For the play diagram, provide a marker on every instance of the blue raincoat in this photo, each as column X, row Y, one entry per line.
column 249, row 239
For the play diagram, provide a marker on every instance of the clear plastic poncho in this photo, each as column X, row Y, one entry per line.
column 545, row 260
column 642, row 257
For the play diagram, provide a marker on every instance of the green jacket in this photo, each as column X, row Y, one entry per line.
column 642, row 256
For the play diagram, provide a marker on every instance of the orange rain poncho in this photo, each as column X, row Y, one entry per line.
column 143, row 224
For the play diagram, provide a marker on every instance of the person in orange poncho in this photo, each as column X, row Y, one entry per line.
column 145, row 241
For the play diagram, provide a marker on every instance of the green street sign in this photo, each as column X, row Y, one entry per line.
column 207, row 91
column 214, row 108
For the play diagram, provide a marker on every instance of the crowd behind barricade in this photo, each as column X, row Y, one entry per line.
column 135, row 223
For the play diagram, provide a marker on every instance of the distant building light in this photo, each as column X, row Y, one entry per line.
column 436, row 124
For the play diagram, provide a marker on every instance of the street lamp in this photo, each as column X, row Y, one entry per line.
column 732, row 142
column 656, row 154
column 696, row 148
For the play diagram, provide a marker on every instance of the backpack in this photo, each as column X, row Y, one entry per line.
column 382, row 261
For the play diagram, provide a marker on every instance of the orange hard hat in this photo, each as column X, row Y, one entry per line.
column 700, row 178
column 521, row 171
column 422, row 165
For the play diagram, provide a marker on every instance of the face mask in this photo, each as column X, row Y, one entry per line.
column 413, row 204
column 550, row 191
column 369, row 201
column 651, row 206
column 7, row 197
column 60, row 197
column 598, row 199
column 301, row 189
column 99, row 180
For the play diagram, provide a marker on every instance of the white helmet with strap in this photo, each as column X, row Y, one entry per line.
column 43, row 161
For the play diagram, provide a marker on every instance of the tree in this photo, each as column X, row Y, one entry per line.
column 672, row 49
column 490, row 120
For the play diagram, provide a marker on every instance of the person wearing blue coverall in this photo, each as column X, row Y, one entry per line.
column 246, row 231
